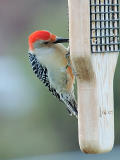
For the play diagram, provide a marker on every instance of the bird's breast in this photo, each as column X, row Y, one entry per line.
column 51, row 57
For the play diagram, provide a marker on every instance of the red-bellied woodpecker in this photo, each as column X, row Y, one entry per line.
column 51, row 63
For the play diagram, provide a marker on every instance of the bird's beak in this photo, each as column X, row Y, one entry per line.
column 61, row 40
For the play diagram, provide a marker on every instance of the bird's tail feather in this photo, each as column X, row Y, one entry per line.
column 71, row 103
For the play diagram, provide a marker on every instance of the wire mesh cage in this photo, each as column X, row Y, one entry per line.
column 104, row 26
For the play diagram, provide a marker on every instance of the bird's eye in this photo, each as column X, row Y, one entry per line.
column 46, row 42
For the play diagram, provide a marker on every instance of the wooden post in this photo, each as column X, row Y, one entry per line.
column 95, row 74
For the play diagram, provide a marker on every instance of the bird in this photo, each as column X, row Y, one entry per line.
column 51, row 63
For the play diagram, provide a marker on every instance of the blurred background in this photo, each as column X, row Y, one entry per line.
column 32, row 121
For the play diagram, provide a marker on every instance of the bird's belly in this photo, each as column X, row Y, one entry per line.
column 58, row 79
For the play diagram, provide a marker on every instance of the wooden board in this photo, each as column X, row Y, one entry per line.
column 95, row 73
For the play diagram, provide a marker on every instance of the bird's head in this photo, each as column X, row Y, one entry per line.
column 42, row 38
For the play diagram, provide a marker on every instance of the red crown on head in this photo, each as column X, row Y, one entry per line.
column 40, row 35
